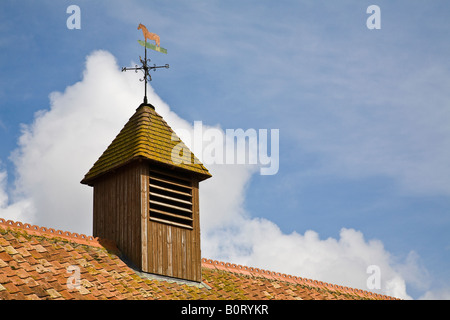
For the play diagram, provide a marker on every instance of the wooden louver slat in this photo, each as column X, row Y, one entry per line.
column 173, row 183
column 173, row 215
column 169, row 206
column 170, row 200
column 170, row 190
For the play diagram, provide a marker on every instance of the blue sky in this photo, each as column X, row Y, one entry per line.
column 363, row 114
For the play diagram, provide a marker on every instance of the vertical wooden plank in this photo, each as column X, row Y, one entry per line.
column 122, row 213
column 137, row 218
column 144, row 218
column 163, row 249
column 98, row 209
column 162, row 253
column 183, row 249
column 187, row 267
column 112, row 214
column 118, row 214
column 108, row 233
column 116, row 196
column 154, row 247
column 128, row 209
column 178, row 252
column 175, row 251
column 135, row 211
column 151, row 253
column 102, row 209
column 192, row 241
column 196, row 254
column 169, row 248
column 95, row 223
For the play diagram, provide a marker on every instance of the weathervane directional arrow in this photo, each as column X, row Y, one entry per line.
column 145, row 66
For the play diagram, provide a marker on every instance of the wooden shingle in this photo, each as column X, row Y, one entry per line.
column 145, row 136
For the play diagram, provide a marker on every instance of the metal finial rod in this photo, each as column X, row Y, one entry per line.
column 146, row 73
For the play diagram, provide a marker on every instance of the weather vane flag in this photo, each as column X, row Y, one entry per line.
column 145, row 67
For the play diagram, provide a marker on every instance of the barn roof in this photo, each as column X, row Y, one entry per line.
column 40, row 263
column 146, row 136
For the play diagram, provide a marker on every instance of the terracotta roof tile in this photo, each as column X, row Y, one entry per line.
column 38, row 269
column 5, row 257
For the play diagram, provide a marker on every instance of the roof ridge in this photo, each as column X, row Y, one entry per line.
column 273, row 275
column 206, row 263
column 46, row 232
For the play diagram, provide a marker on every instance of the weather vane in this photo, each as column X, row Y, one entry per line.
column 145, row 67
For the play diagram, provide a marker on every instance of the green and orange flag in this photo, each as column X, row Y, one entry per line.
column 152, row 46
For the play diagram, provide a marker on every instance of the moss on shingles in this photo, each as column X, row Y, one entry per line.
column 146, row 135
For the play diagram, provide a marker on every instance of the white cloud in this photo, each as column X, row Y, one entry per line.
column 440, row 294
column 344, row 261
column 63, row 142
column 18, row 209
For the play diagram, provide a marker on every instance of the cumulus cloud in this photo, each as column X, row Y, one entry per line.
column 441, row 294
column 59, row 147
column 344, row 261
column 18, row 209
column 63, row 142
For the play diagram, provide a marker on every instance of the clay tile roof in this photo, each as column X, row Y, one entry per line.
column 146, row 136
column 42, row 263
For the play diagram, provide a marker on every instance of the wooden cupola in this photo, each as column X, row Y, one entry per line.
column 147, row 203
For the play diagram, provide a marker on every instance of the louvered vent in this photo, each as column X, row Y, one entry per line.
column 170, row 200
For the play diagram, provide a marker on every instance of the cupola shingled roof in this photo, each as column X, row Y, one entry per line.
column 147, row 136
